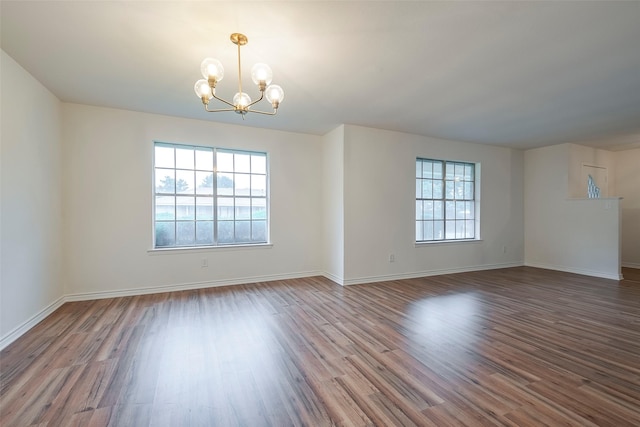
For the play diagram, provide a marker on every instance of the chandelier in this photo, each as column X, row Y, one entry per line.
column 261, row 74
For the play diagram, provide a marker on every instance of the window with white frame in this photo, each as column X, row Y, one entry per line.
column 445, row 200
column 208, row 196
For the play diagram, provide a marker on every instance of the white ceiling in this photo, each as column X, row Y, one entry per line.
column 520, row 74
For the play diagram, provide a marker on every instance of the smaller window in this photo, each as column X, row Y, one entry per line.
column 445, row 200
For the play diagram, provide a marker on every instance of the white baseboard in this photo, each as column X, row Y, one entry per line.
column 21, row 329
column 334, row 278
column 425, row 273
column 584, row 272
column 87, row 296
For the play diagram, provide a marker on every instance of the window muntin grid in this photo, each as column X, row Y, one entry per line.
column 445, row 200
column 205, row 196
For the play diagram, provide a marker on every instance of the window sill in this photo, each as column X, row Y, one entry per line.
column 446, row 242
column 200, row 249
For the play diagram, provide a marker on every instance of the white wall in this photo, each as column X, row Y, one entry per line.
column 108, row 200
column 575, row 235
column 30, row 208
column 628, row 187
column 333, row 204
column 379, row 199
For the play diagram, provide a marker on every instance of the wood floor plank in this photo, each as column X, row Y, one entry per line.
column 510, row 347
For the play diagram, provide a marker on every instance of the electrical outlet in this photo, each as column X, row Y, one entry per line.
column 392, row 257
column 504, row 249
column 204, row 263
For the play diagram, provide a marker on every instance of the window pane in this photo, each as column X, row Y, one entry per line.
column 258, row 208
column 164, row 157
column 437, row 170
column 204, row 232
column 226, row 208
column 449, row 170
column 427, row 189
column 184, row 158
column 437, row 189
column 428, row 230
column 258, row 164
column 459, row 229
column 438, row 230
column 185, row 207
column 418, row 168
column 204, row 159
column 450, row 213
column 459, row 190
column 204, row 208
column 224, row 161
column 469, row 229
column 470, row 209
column 185, row 233
column 258, row 185
column 419, row 204
column 461, row 211
column 243, row 231
column 242, row 163
column 438, row 210
column 468, row 173
column 450, row 230
column 459, row 171
column 427, row 210
column 449, row 190
column 165, row 234
column 427, row 169
column 205, row 183
column 468, row 190
column 165, row 181
column 418, row 189
column 242, row 184
column 225, row 184
column 419, row 234
column 243, row 208
column 185, row 182
column 165, row 207
column 225, row 231
column 259, row 231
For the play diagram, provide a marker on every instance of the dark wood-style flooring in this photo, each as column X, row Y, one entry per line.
column 512, row 347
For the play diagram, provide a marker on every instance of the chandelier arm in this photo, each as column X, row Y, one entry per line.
column 206, row 108
column 257, row 100
column 222, row 100
column 264, row 112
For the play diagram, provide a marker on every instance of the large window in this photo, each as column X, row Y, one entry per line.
column 209, row 196
column 445, row 200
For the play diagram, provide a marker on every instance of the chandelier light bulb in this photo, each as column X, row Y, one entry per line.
column 274, row 94
column 241, row 99
column 202, row 89
column 261, row 73
column 212, row 68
